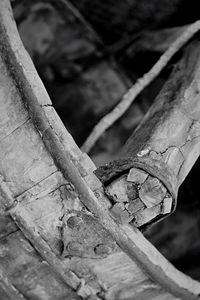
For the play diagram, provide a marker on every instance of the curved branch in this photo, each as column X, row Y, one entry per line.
column 56, row 142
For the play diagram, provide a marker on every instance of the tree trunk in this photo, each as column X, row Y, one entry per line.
column 61, row 241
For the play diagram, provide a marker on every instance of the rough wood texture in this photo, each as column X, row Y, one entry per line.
column 166, row 142
column 73, row 65
column 28, row 272
column 42, row 193
column 171, row 127
column 51, row 181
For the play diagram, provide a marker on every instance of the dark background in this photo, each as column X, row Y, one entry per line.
column 88, row 53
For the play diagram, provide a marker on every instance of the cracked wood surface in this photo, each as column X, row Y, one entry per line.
column 171, row 128
column 160, row 153
column 35, row 163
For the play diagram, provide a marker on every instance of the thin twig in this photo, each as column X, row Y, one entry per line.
column 138, row 87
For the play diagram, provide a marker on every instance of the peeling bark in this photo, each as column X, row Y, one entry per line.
column 48, row 184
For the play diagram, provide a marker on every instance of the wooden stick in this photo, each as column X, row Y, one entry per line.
column 138, row 87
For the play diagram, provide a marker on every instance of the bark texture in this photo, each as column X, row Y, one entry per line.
column 158, row 156
column 64, row 244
